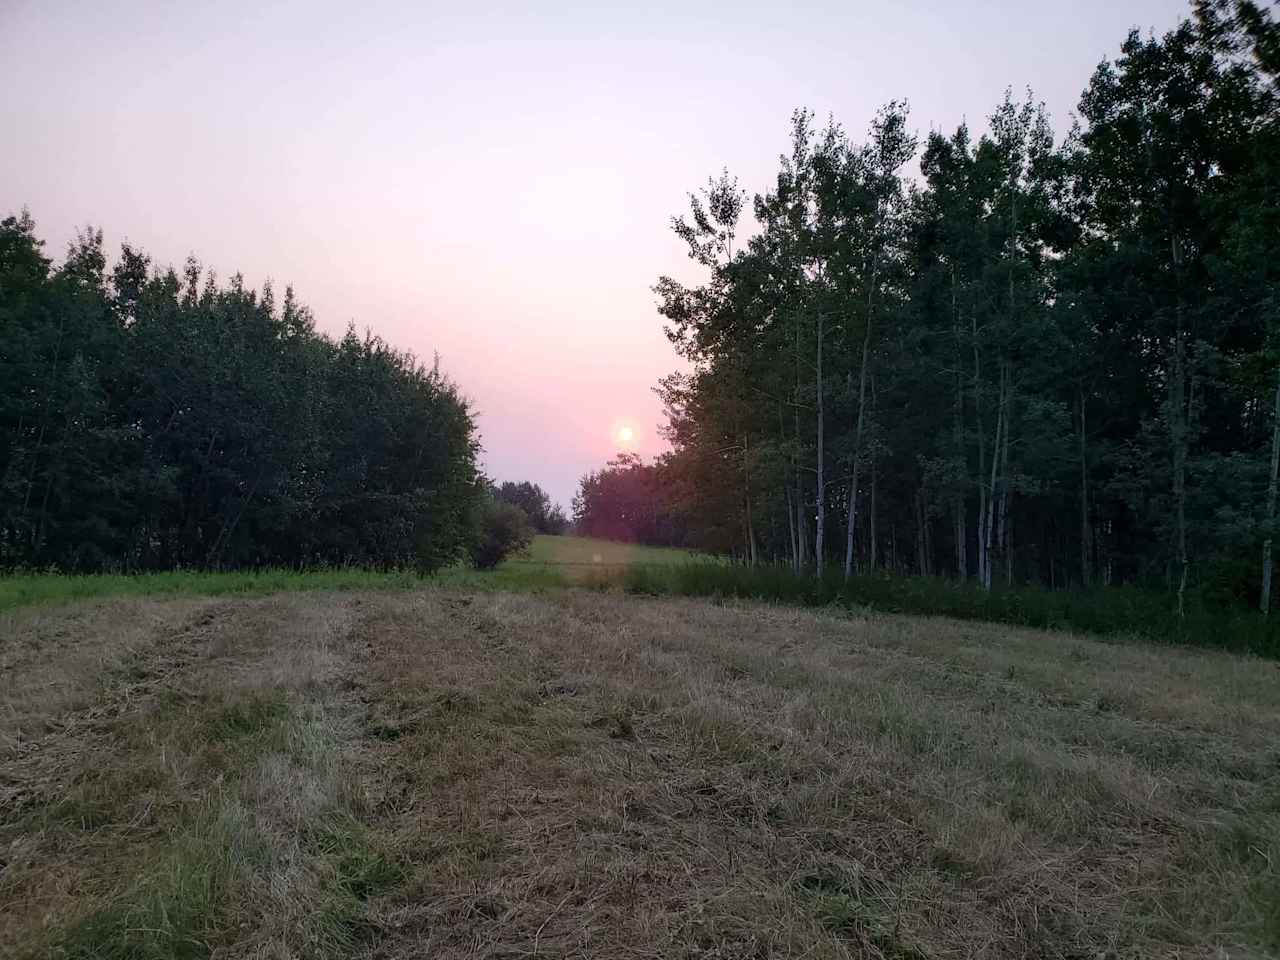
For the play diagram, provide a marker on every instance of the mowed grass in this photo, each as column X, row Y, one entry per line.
column 451, row 773
column 550, row 562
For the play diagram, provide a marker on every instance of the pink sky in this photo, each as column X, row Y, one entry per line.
column 492, row 182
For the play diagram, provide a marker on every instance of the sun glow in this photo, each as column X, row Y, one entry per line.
column 625, row 435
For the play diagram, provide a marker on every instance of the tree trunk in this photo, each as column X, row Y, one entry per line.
column 1178, row 425
column 1008, row 549
column 819, row 536
column 851, row 528
column 794, row 554
column 919, row 533
column 981, row 522
column 802, row 522
column 958, row 505
column 786, row 491
column 927, row 566
column 990, row 493
column 746, row 491
column 871, row 521
column 1265, row 603
column 802, row 529
column 1086, row 527
column 1178, row 428
column 871, row 561
column 1003, row 525
column 999, row 451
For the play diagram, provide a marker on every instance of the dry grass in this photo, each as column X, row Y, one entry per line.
column 448, row 774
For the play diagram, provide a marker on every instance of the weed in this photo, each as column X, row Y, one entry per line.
column 248, row 717
column 175, row 909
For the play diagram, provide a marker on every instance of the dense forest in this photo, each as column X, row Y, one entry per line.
column 1039, row 362
column 151, row 420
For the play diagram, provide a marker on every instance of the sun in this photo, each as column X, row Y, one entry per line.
column 626, row 435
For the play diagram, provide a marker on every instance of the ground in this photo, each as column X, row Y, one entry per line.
column 440, row 772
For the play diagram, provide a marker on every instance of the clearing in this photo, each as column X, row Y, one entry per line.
column 578, row 559
column 440, row 772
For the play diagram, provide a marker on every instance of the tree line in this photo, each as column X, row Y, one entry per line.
column 544, row 516
column 1039, row 362
column 152, row 420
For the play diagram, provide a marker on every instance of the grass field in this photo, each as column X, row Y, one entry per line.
column 442, row 772
column 549, row 562
column 586, row 560
column 1128, row 613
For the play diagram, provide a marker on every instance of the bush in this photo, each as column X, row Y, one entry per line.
column 502, row 529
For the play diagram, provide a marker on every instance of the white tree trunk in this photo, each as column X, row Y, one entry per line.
column 960, row 520
column 851, row 529
column 819, row 536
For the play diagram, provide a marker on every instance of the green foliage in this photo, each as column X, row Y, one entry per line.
column 545, row 517
column 150, row 422
column 502, row 530
column 1044, row 364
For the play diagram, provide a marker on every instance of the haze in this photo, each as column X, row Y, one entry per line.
column 490, row 183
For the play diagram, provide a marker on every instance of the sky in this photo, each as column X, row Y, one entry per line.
column 493, row 183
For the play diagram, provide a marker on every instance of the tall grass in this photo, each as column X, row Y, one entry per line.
column 20, row 590
column 24, row 589
column 1128, row 611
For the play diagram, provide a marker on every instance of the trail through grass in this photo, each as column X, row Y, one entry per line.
column 587, row 560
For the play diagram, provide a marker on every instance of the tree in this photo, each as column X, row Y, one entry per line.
column 1046, row 363
column 545, row 516
column 502, row 530
column 149, row 421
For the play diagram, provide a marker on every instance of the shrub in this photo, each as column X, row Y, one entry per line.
column 502, row 529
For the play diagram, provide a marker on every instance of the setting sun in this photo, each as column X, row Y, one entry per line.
column 626, row 435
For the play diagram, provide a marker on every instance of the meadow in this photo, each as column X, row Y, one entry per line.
column 554, row 562
column 550, row 561
column 432, row 769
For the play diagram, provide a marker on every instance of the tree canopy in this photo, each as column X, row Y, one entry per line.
column 150, row 420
